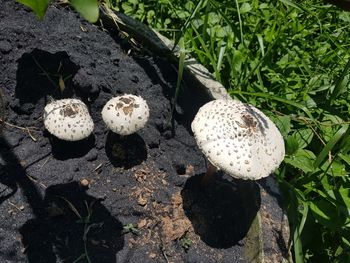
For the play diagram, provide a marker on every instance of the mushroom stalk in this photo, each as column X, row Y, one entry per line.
column 208, row 174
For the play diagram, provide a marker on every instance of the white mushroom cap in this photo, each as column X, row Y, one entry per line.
column 68, row 119
column 238, row 138
column 125, row 114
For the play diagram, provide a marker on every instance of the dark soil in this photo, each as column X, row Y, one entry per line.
column 149, row 179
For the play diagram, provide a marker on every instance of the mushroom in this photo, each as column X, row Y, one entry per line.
column 68, row 119
column 125, row 114
column 237, row 138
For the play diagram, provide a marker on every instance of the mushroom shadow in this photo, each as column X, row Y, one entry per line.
column 63, row 150
column 38, row 75
column 75, row 227
column 8, row 183
column 222, row 212
column 125, row 151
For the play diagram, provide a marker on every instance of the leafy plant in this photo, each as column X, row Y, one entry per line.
column 87, row 8
column 131, row 228
column 292, row 60
column 186, row 243
column 88, row 225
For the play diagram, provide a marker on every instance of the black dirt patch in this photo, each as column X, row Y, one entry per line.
column 142, row 180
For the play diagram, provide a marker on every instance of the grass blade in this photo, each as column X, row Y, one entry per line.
column 179, row 75
column 330, row 145
column 276, row 98
column 341, row 83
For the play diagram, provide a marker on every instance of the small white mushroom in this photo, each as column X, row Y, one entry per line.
column 125, row 114
column 238, row 138
column 68, row 119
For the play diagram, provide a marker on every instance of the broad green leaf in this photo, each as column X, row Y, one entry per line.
column 303, row 136
column 326, row 213
column 127, row 7
column 336, row 168
column 345, row 195
column 245, row 8
column 345, row 157
column 292, row 145
column 238, row 59
column 302, row 159
column 87, row 8
column 346, row 242
column 282, row 123
column 38, row 6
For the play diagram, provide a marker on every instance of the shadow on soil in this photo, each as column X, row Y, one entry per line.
column 222, row 212
column 13, row 176
column 63, row 150
column 67, row 224
column 8, row 172
column 125, row 151
column 38, row 75
column 76, row 226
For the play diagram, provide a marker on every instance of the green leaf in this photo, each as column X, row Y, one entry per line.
column 342, row 82
column 38, row 6
column 302, row 159
column 336, row 168
column 87, row 8
column 345, row 157
column 245, row 8
column 292, row 145
column 303, row 136
column 330, row 145
column 282, row 123
column 326, row 213
column 345, row 195
column 238, row 59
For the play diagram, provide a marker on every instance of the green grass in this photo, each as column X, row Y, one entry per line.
column 292, row 60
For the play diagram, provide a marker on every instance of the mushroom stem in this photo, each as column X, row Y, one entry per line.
column 209, row 174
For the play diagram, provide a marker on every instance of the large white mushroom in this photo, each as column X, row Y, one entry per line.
column 68, row 119
column 237, row 138
column 125, row 114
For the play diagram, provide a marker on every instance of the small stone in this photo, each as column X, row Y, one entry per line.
column 152, row 255
column 134, row 79
column 142, row 201
column 5, row 47
column 142, row 223
column 84, row 183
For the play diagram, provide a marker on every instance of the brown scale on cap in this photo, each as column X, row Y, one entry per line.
column 70, row 110
column 249, row 123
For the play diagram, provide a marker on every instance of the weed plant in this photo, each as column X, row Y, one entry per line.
column 292, row 60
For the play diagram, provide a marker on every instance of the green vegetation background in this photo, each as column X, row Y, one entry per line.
column 291, row 59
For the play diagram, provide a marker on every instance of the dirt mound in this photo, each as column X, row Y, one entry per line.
column 141, row 200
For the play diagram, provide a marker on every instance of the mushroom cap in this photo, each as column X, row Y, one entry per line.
column 238, row 138
column 125, row 114
column 68, row 119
